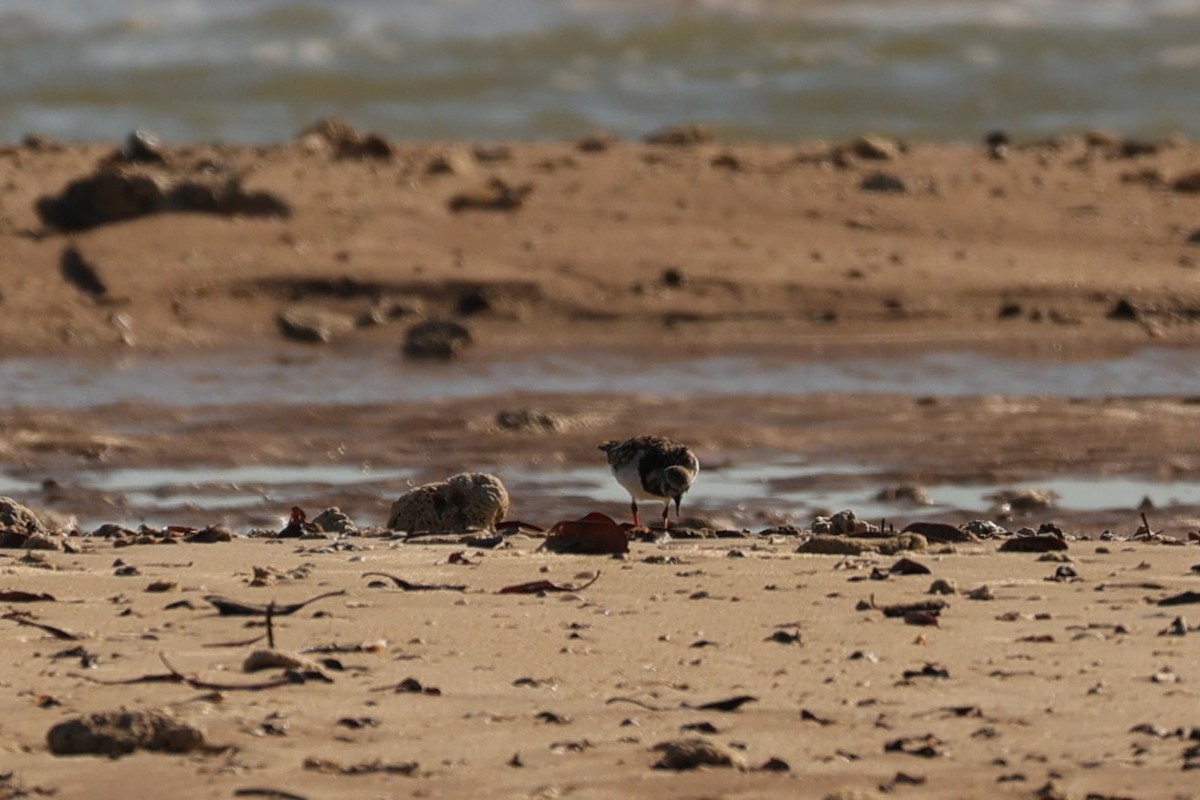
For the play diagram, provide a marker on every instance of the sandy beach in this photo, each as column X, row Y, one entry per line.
column 1068, row 678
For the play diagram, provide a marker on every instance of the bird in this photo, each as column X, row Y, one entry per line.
column 652, row 468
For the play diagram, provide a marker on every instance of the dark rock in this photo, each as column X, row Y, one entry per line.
column 1194, row 237
column 595, row 142
column 883, row 182
column 111, row 196
column 475, row 300
column 1124, row 310
column 117, row 733
column 938, row 532
column 1039, row 543
column 674, row 277
column 84, row 276
column 1009, row 311
column 1188, row 183
column 436, row 339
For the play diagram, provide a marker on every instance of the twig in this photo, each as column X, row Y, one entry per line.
column 57, row 633
column 234, row 608
column 241, row 643
column 196, row 683
column 270, row 625
column 1146, row 525
column 635, row 702
column 274, row 794
column 409, row 586
column 536, row 587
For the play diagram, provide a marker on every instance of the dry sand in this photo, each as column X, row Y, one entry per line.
column 667, row 251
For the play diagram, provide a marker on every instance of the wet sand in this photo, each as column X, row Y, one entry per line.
column 634, row 255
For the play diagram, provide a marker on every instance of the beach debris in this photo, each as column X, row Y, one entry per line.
column 884, row 182
column 234, row 608
column 82, row 274
column 1187, row 183
column 268, row 793
column 727, row 705
column 939, row 532
column 1064, row 574
column 409, row 586
column 680, row 135
column 833, row 546
column 118, row 733
column 997, row 143
column 1035, row 543
column 927, row 670
column 112, row 195
column 19, row 596
column 275, row 659
column 943, row 586
column 26, row 618
column 809, row 716
column 592, row 534
column 436, row 339
column 1183, row 598
column 543, row 586
column 704, row 726
column 693, row 753
column 313, row 325
column 596, row 142
column 495, row 195
column 210, row 535
column 343, row 141
column 784, row 637
column 875, row 148
column 927, row 746
column 466, row 502
column 331, row 767
column 906, row 566
column 931, row 607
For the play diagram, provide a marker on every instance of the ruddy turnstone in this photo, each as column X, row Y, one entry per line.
column 652, row 468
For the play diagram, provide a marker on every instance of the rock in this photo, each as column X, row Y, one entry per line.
column 111, row 195
column 681, row 135
column 1038, row 543
column 19, row 518
column 314, row 324
column 938, row 532
column 843, row 522
column 42, row 541
column 496, row 195
column 674, row 277
column 210, row 535
column 886, row 182
column 983, row 592
column 943, row 586
column 343, row 140
column 141, row 147
column 1124, row 310
column 332, row 520
column 832, row 546
column 983, row 528
column 875, row 148
column 682, row 754
column 276, row 659
column 453, row 161
column 117, row 733
column 436, row 339
column 1188, row 183
column 466, row 502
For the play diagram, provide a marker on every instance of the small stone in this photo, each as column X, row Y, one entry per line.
column 595, row 142
column 685, row 754
column 983, row 592
column 436, row 339
column 333, row 520
column 885, row 182
column 943, row 586
column 875, row 148
column 314, row 325
column 1125, row 311
column 142, row 147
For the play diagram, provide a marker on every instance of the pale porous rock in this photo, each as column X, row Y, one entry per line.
column 17, row 517
column 465, row 502
column 334, row 520
column 844, row 523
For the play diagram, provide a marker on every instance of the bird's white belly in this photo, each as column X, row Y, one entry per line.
column 629, row 478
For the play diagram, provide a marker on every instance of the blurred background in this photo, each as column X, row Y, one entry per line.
column 259, row 70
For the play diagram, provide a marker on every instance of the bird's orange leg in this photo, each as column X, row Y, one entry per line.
column 633, row 508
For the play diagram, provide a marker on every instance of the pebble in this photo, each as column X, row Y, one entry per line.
column 438, row 339
column 885, row 182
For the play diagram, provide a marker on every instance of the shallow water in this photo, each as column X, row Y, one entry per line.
column 222, row 379
column 776, row 69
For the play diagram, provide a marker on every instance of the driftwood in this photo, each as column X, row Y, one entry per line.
column 175, row 676
column 23, row 618
column 235, row 608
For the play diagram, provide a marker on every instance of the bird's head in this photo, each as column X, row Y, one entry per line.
column 675, row 482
